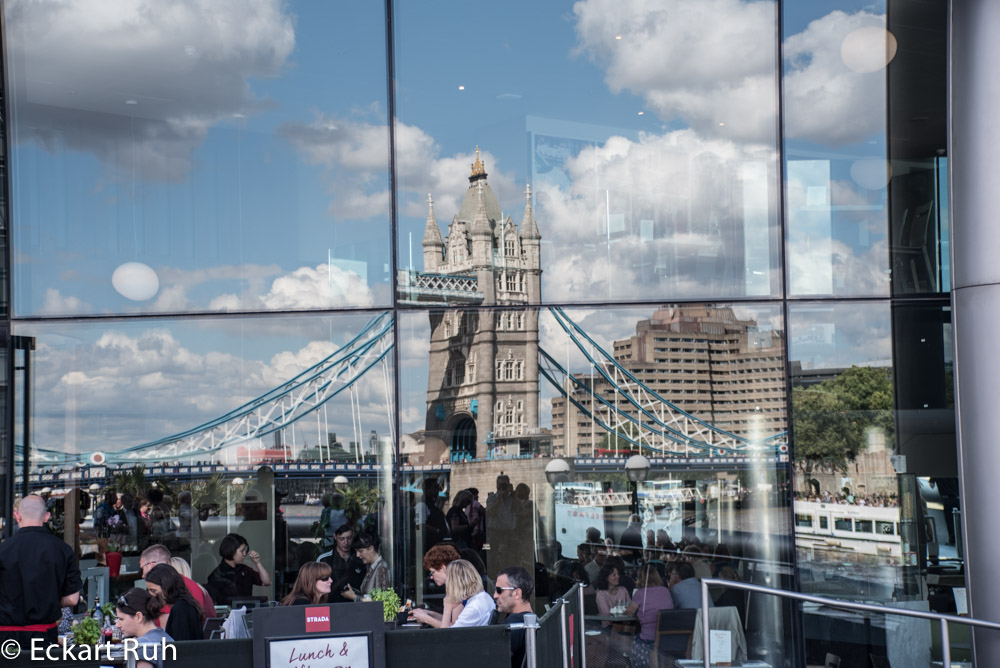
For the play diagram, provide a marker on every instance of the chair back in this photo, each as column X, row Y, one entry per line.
column 590, row 603
column 674, row 629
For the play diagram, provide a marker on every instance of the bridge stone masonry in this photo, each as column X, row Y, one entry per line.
column 482, row 393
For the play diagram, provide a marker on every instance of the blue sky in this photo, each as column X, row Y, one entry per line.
column 235, row 159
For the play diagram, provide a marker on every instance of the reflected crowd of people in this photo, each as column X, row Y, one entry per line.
column 847, row 497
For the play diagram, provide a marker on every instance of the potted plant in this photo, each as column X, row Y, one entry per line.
column 390, row 605
column 86, row 632
column 113, row 557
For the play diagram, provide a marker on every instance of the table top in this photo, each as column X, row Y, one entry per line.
column 698, row 663
column 618, row 619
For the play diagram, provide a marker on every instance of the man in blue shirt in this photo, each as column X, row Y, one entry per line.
column 685, row 588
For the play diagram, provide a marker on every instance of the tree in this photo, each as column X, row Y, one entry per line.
column 831, row 419
column 132, row 481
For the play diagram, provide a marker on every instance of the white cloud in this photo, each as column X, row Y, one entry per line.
column 712, row 64
column 58, row 304
column 825, row 101
column 699, row 194
column 185, row 66
column 705, row 61
column 128, row 387
column 821, row 264
column 323, row 286
column 839, row 336
column 355, row 157
column 177, row 284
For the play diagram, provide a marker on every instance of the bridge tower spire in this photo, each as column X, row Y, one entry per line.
column 433, row 243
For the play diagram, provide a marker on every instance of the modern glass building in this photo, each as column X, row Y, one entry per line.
column 270, row 257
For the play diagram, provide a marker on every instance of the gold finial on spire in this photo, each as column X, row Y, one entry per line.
column 478, row 168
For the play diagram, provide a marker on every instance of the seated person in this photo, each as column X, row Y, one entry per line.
column 436, row 562
column 136, row 612
column 312, row 586
column 649, row 599
column 464, row 587
column 513, row 597
column 186, row 618
column 610, row 593
column 232, row 578
column 685, row 587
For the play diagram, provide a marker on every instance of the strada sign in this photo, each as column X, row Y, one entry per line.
column 317, row 620
column 336, row 635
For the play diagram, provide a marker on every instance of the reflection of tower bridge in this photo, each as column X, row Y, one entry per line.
column 485, row 363
column 667, row 433
column 291, row 405
column 484, row 367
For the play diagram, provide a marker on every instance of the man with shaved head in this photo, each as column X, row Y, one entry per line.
column 39, row 575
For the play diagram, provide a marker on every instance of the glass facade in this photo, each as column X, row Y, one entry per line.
column 254, row 289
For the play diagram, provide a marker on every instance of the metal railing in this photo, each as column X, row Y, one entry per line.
column 531, row 627
column 834, row 603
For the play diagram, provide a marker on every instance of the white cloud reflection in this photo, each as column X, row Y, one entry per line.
column 713, row 65
column 140, row 83
column 127, row 386
column 354, row 154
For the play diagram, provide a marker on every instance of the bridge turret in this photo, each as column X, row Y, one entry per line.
column 433, row 243
column 482, row 235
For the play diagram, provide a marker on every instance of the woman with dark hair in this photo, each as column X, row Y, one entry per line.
column 458, row 520
column 312, row 586
column 232, row 578
column 612, row 597
column 378, row 575
column 610, row 593
column 136, row 612
column 185, row 618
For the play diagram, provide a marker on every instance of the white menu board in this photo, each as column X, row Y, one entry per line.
column 320, row 652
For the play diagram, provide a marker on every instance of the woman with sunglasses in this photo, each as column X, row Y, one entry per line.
column 186, row 619
column 312, row 586
column 136, row 613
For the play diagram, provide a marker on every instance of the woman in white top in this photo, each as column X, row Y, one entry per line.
column 464, row 587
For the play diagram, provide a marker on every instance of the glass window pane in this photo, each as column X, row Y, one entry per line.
column 874, row 451
column 864, row 147
column 597, row 389
column 276, row 429
column 645, row 181
column 169, row 158
column 836, row 162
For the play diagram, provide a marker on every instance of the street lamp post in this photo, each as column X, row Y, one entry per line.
column 637, row 470
column 558, row 470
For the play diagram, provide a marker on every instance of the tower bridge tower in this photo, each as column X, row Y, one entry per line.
column 482, row 392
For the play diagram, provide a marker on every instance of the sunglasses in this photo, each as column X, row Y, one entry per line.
column 122, row 602
column 326, row 579
column 506, row 588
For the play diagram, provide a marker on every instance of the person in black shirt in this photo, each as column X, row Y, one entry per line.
column 232, row 578
column 39, row 575
column 347, row 569
column 185, row 619
column 513, row 596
